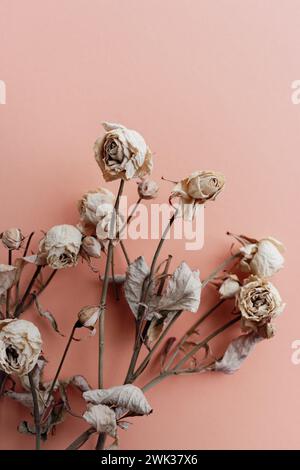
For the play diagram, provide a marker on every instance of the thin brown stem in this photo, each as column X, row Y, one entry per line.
column 8, row 290
column 36, row 412
column 20, row 306
column 43, row 287
column 101, row 441
column 125, row 252
column 80, row 440
column 220, row 268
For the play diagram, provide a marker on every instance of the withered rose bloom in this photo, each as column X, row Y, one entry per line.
column 199, row 187
column 263, row 258
column 88, row 316
column 12, row 238
column 20, row 346
column 122, row 153
column 259, row 303
column 147, row 189
column 230, row 287
column 90, row 202
column 91, row 247
column 60, row 246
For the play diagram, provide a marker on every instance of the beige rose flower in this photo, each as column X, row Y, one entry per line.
column 147, row 189
column 199, row 187
column 8, row 275
column 88, row 316
column 12, row 238
column 230, row 287
column 263, row 258
column 102, row 418
column 90, row 202
column 122, row 153
column 91, row 247
column 259, row 303
column 20, row 346
column 60, row 246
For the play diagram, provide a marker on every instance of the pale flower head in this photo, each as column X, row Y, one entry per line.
column 147, row 189
column 12, row 238
column 20, row 346
column 122, row 153
column 199, row 187
column 91, row 247
column 263, row 258
column 90, row 202
column 259, row 303
column 230, row 287
column 102, row 418
column 88, row 316
column 60, row 246
column 110, row 223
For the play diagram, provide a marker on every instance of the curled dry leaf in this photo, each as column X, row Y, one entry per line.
column 133, row 286
column 237, row 351
column 47, row 315
column 7, row 277
column 124, row 396
column 102, row 418
column 79, row 382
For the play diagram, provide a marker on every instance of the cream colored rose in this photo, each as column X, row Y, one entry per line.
column 12, row 238
column 88, row 316
column 60, row 246
column 230, row 287
column 263, row 258
column 102, row 418
column 199, row 187
column 147, row 189
column 90, row 202
column 20, row 346
column 259, row 303
column 122, row 153
column 8, row 275
column 91, row 247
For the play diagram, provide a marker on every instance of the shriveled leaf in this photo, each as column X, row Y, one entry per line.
column 79, row 382
column 35, row 259
column 125, row 396
column 48, row 315
column 183, row 290
column 24, row 398
column 237, row 351
column 135, row 277
column 36, row 375
column 102, row 418
column 155, row 329
column 7, row 277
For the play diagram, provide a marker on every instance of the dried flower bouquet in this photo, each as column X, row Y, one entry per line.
column 155, row 297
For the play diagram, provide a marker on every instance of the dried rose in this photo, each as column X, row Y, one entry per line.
column 229, row 287
column 90, row 202
column 147, row 189
column 88, row 316
column 12, row 238
column 199, row 187
column 259, row 302
column 20, row 346
column 263, row 258
column 60, row 246
column 8, row 275
column 122, row 153
column 102, row 418
column 91, row 247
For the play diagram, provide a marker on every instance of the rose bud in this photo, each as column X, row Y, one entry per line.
column 263, row 258
column 60, row 246
column 12, row 238
column 199, row 187
column 20, row 346
column 90, row 202
column 91, row 247
column 147, row 189
column 122, row 153
column 229, row 287
column 88, row 316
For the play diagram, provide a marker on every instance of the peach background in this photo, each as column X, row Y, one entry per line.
column 208, row 85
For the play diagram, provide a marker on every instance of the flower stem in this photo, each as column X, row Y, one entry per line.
column 20, row 306
column 36, row 412
column 43, row 287
column 8, row 290
column 105, row 290
column 61, row 362
column 80, row 440
column 101, row 441
column 220, row 268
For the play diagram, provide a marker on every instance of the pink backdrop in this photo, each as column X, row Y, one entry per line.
column 208, row 83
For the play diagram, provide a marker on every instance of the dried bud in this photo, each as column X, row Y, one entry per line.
column 90, row 202
column 91, row 247
column 230, row 287
column 88, row 316
column 12, row 238
column 148, row 189
column 60, row 247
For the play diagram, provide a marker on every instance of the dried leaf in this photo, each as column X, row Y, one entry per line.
column 79, row 382
column 155, row 329
column 35, row 259
column 237, row 351
column 183, row 290
column 7, row 277
column 124, row 396
column 102, row 418
column 48, row 315
column 136, row 274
